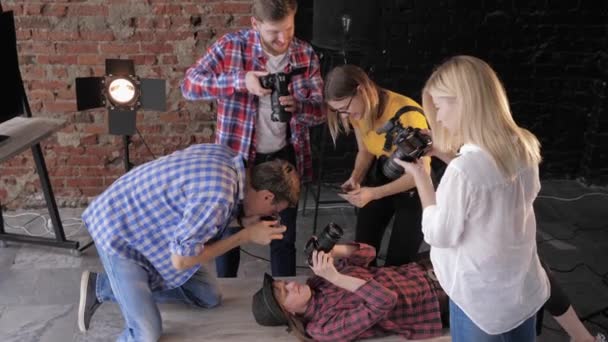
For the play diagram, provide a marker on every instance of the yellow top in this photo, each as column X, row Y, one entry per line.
column 373, row 141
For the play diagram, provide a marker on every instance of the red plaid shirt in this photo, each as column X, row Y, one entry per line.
column 220, row 75
column 394, row 300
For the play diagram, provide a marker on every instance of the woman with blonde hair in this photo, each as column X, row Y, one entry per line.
column 356, row 101
column 480, row 223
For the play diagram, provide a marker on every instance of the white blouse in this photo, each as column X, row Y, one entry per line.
column 482, row 233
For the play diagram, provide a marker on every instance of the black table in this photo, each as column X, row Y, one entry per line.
column 24, row 133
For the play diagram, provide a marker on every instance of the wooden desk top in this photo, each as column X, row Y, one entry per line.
column 25, row 132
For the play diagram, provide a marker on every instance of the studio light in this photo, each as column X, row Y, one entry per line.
column 122, row 93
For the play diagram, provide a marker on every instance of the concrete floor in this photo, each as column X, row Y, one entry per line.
column 39, row 285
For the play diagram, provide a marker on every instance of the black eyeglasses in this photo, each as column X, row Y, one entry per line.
column 345, row 110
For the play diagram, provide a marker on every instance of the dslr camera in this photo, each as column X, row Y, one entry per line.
column 278, row 83
column 411, row 145
column 328, row 238
column 273, row 217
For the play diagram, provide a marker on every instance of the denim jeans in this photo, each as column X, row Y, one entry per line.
column 463, row 329
column 282, row 252
column 126, row 283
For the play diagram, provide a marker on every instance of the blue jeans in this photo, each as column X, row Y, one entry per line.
column 463, row 329
column 126, row 283
column 282, row 252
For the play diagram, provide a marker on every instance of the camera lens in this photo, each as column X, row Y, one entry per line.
column 266, row 81
column 329, row 236
column 390, row 169
column 325, row 242
column 334, row 231
column 411, row 145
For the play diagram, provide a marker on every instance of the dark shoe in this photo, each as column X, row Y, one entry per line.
column 88, row 300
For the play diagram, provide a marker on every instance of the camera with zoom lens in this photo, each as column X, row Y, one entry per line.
column 328, row 238
column 411, row 145
column 278, row 83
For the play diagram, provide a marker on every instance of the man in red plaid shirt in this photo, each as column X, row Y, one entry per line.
column 351, row 300
column 230, row 73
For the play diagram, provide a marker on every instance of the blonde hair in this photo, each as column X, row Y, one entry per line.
column 484, row 115
column 343, row 82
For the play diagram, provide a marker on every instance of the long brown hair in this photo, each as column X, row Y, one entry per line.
column 350, row 80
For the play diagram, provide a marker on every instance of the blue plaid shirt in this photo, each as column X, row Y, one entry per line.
column 173, row 204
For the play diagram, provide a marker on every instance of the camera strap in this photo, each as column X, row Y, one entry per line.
column 297, row 71
column 388, row 142
column 406, row 109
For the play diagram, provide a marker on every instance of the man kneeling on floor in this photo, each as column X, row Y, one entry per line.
column 156, row 225
column 350, row 300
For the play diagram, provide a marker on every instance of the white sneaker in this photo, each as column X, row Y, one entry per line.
column 88, row 300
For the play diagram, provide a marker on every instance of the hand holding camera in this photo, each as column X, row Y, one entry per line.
column 264, row 231
column 253, row 85
column 278, row 84
column 288, row 102
column 326, row 241
column 262, row 83
column 323, row 265
column 411, row 145
column 415, row 168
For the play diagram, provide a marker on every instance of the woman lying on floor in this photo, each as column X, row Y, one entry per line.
column 350, row 300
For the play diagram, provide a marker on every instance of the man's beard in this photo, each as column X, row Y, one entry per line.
column 271, row 50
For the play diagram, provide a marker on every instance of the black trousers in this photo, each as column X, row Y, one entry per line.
column 282, row 252
column 406, row 236
column 373, row 219
column 558, row 302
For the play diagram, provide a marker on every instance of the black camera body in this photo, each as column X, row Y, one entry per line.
column 273, row 217
column 328, row 238
column 411, row 145
column 279, row 84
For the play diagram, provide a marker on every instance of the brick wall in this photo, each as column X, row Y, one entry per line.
column 61, row 40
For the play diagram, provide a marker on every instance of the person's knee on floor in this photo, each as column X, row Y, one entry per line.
column 211, row 299
column 144, row 330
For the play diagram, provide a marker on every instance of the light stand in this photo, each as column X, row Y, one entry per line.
column 123, row 93
column 346, row 20
column 126, row 141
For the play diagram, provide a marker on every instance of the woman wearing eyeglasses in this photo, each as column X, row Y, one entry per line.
column 354, row 100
